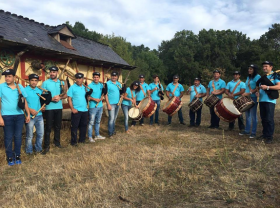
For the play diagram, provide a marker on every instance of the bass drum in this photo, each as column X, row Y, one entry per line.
column 226, row 110
column 147, row 107
column 172, row 106
column 135, row 114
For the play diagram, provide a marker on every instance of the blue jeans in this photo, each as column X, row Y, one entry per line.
column 113, row 114
column 198, row 117
column 125, row 109
column 267, row 115
column 180, row 115
column 13, row 132
column 38, row 122
column 215, row 120
column 251, row 118
column 156, row 113
column 95, row 115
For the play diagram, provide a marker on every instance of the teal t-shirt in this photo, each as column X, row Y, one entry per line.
column 54, row 88
column 9, row 100
column 33, row 100
column 97, row 91
column 78, row 93
column 263, row 96
column 253, row 83
column 128, row 92
column 231, row 85
column 220, row 84
column 113, row 92
column 200, row 89
column 154, row 95
column 139, row 95
column 170, row 87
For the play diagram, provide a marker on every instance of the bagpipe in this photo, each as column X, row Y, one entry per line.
column 160, row 92
column 272, row 94
column 21, row 99
column 45, row 99
column 87, row 89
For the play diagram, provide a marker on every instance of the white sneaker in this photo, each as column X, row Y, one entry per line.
column 91, row 140
column 99, row 137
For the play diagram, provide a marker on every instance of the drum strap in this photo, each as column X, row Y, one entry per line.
column 236, row 86
column 131, row 94
column 195, row 90
column 213, row 85
column 249, row 84
column 142, row 90
column 175, row 88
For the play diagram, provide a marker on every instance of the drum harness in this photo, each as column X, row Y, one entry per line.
column 235, row 87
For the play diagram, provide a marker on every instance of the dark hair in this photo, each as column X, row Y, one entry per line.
column 136, row 90
column 255, row 72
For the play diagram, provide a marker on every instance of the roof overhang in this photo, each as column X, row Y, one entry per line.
column 34, row 50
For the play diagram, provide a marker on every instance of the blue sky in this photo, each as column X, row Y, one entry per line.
column 149, row 22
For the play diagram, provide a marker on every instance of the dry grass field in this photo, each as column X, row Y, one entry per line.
column 153, row 166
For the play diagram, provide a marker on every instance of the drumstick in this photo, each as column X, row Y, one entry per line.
column 42, row 89
column 39, row 110
column 41, row 96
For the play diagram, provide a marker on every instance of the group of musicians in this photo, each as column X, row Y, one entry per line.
column 87, row 109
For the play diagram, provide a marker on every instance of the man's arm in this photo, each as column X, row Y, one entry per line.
column 275, row 87
column 71, row 105
column 219, row 92
column 208, row 92
column 239, row 93
column 27, row 119
column 1, row 118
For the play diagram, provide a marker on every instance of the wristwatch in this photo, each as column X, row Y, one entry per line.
column 267, row 88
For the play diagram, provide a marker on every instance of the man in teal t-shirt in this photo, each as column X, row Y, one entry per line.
column 78, row 104
column 53, row 112
column 234, row 89
column 216, row 87
column 34, row 105
column 196, row 91
column 95, row 107
column 154, row 89
column 179, row 92
column 112, row 100
column 11, row 117
column 267, row 101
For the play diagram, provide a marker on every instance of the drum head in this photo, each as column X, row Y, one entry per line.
column 144, row 103
column 168, row 103
column 133, row 112
column 228, row 103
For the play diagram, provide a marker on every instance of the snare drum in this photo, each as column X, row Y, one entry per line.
column 147, row 107
column 135, row 114
column 226, row 110
column 243, row 103
column 195, row 105
column 211, row 101
column 172, row 106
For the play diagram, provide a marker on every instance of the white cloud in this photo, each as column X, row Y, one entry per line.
column 149, row 22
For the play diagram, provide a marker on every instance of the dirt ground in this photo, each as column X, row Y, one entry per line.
column 153, row 166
